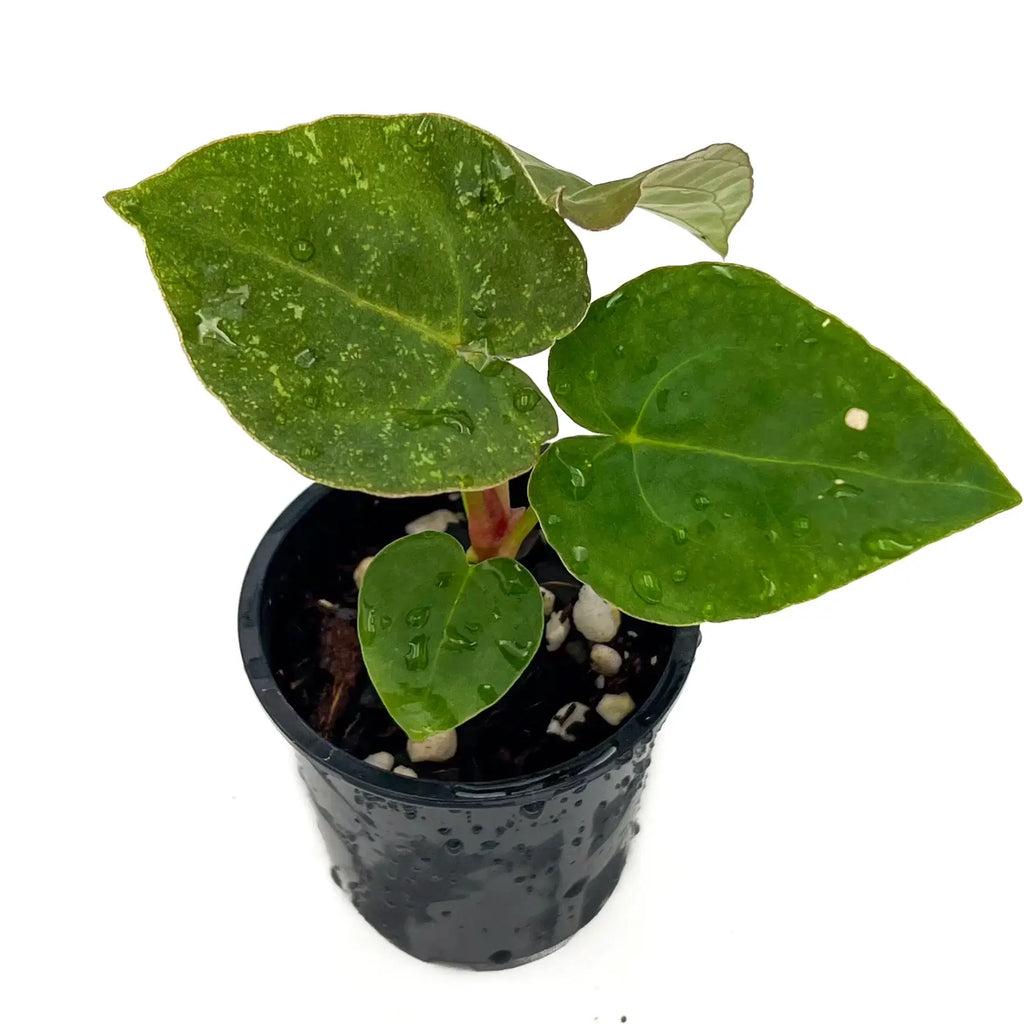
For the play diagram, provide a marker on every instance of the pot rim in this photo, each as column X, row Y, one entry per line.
column 559, row 778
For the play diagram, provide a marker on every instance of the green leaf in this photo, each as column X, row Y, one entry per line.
column 754, row 451
column 442, row 640
column 351, row 289
column 706, row 192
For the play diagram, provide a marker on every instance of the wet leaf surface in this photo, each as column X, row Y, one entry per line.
column 752, row 451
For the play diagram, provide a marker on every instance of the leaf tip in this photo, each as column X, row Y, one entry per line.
column 122, row 201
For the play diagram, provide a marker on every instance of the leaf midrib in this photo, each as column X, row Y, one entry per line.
column 635, row 441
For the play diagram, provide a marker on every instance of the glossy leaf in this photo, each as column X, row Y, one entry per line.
column 706, row 192
column 442, row 639
column 351, row 289
column 753, row 450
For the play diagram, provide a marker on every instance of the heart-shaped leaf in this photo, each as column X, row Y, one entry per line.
column 442, row 639
column 754, row 451
column 351, row 288
column 706, row 192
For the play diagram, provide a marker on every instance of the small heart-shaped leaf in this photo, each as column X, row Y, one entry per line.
column 706, row 192
column 442, row 639
column 754, row 451
column 352, row 288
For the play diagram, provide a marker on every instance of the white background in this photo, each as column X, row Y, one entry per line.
column 833, row 831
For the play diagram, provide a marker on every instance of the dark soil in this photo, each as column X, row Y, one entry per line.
column 311, row 607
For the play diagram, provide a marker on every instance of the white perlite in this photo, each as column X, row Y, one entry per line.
column 595, row 618
column 360, row 571
column 439, row 520
column 605, row 660
column 439, row 747
column 565, row 718
column 557, row 630
column 614, row 707
column 549, row 601
column 382, row 760
column 407, row 772
column 856, row 419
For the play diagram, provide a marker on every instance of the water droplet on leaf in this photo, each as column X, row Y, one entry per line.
column 580, row 558
column 887, row 544
column 515, row 652
column 563, row 387
column 526, row 399
column 679, row 575
column 701, row 502
column 306, row 358
column 646, row 585
column 841, row 489
column 457, row 641
column 800, row 526
column 302, row 249
column 443, row 579
column 487, row 694
column 679, row 534
column 417, row 617
column 417, row 657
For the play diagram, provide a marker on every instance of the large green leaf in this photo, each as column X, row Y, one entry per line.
column 442, row 639
column 706, row 192
column 351, row 288
column 754, row 451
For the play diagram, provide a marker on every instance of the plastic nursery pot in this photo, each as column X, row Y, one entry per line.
column 480, row 875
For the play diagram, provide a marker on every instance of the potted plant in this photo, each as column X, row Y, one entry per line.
column 469, row 643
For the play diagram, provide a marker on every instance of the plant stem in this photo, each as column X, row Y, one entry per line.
column 495, row 528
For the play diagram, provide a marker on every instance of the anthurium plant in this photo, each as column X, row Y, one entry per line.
column 354, row 290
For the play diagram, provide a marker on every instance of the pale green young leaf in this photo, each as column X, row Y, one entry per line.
column 706, row 192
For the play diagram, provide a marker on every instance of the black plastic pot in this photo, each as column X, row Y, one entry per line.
column 479, row 875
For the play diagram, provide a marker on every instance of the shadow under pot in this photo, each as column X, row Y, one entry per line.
column 502, row 857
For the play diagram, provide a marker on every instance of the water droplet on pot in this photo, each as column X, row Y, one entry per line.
column 701, row 502
column 418, row 656
column 575, row 889
column 454, row 845
column 488, row 694
column 679, row 534
column 884, row 543
column 646, row 585
column 336, row 877
column 417, row 617
column 500, row 956
column 515, row 652
column 526, row 399
column 306, row 358
column 801, row 525
column 302, row 249
column 443, row 579
column 532, row 810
